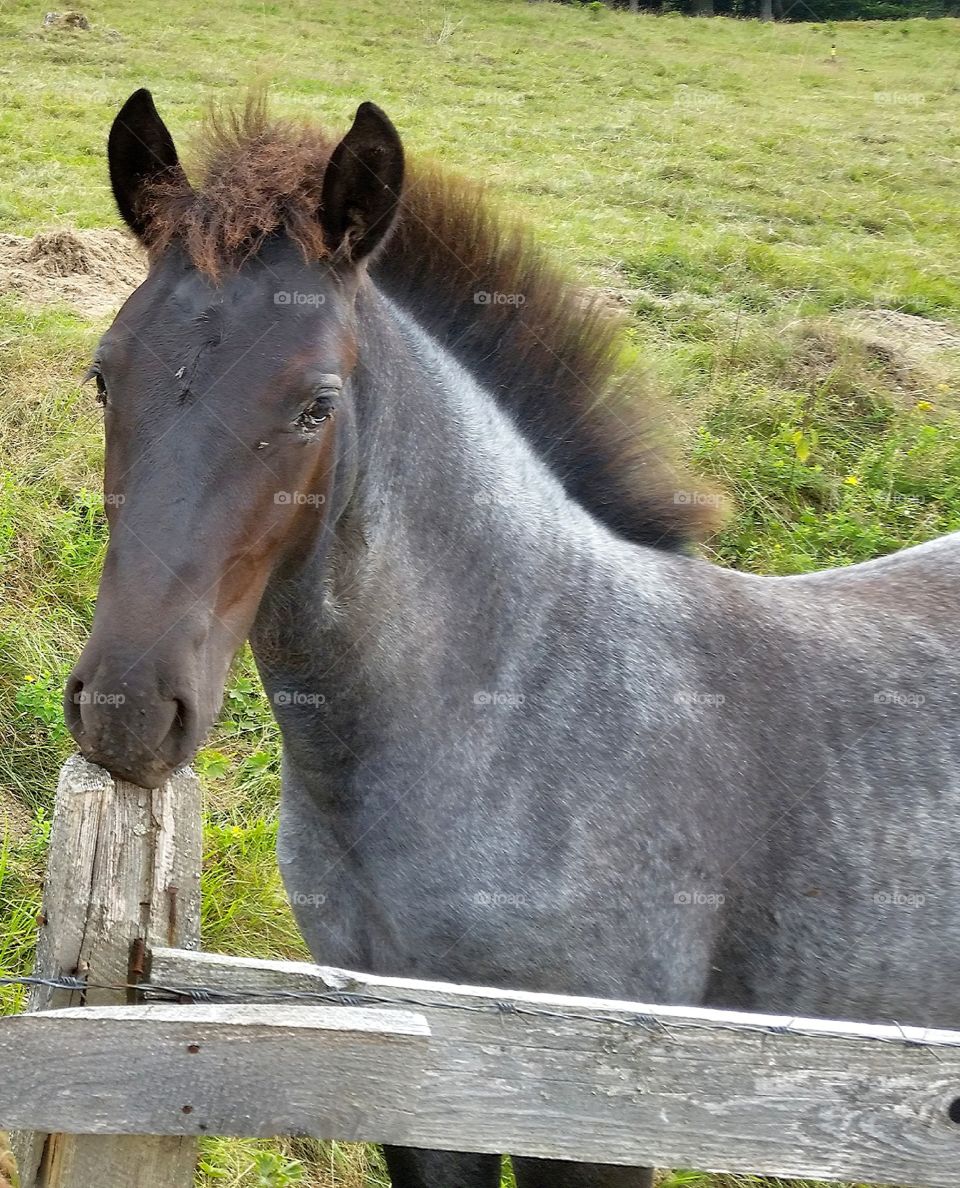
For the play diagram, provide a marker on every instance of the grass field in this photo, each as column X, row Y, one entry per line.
column 781, row 225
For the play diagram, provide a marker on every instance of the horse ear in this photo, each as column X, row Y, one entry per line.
column 139, row 150
column 361, row 185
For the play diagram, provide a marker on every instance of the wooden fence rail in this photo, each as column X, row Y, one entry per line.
column 223, row 1045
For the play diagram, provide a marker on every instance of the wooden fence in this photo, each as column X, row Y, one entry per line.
column 136, row 1043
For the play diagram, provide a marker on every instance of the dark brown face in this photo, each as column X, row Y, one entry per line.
column 221, row 442
column 226, row 407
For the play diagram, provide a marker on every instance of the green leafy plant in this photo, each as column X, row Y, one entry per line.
column 273, row 1171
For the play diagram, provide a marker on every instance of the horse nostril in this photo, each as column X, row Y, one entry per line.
column 72, row 703
column 180, row 740
column 180, row 716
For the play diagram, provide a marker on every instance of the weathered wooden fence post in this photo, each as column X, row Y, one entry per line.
column 123, row 868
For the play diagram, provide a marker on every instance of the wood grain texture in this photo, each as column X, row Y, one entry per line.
column 249, row 1070
column 619, row 1082
column 123, row 863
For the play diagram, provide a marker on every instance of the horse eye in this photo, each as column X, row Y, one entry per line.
column 316, row 413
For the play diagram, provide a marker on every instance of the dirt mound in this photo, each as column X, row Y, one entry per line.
column 907, row 343
column 65, row 20
column 91, row 272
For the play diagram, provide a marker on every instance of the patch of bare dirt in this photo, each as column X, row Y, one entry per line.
column 15, row 822
column 91, row 272
column 907, row 343
column 64, row 20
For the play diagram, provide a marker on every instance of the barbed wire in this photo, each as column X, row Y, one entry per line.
column 157, row 992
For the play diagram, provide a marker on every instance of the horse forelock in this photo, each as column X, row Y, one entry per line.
column 258, row 177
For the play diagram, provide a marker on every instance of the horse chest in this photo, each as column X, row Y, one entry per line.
column 429, row 885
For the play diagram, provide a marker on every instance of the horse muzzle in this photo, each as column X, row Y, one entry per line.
column 128, row 719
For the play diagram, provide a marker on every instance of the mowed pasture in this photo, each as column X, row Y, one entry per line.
column 780, row 225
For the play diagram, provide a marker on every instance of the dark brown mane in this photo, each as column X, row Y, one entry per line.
column 481, row 286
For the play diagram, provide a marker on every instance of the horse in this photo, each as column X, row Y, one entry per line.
column 531, row 736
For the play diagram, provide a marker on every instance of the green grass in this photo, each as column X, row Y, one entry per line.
column 737, row 190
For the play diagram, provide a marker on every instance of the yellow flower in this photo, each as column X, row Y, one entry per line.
column 852, row 481
column 924, row 405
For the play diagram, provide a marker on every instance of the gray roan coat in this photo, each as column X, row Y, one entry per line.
column 529, row 739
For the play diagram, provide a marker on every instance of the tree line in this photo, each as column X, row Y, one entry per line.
column 796, row 10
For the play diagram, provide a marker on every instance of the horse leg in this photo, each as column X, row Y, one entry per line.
column 558, row 1173
column 413, row 1168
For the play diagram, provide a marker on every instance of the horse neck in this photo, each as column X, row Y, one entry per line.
column 453, row 545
